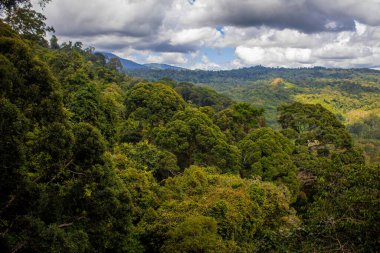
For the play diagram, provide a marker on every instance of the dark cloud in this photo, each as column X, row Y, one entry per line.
column 166, row 46
column 98, row 17
column 305, row 16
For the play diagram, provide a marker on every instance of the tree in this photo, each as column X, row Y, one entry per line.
column 344, row 214
column 149, row 105
column 319, row 130
column 238, row 120
column 32, row 81
column 54, row 42
column 153, row 102
column 202, row 210
column 199, row 95
column 195, row 234
column 26, row 21
column 194, row 139
column 148, row 157
column 267, row 154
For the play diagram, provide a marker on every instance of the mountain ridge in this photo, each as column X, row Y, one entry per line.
column 131, row 65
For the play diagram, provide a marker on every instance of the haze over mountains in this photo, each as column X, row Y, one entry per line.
column 131, row 65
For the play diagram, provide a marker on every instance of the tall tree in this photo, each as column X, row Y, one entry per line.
column 21, row 16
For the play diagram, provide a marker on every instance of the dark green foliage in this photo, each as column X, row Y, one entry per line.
column 28, row 82
column 337, row 198
column 148, row 105
column 351, row 94
column 344, row 214
column 152, row 102
column 57, row 192
column 89, row 145
column 194, row 139
column 307, row 118
column 320, row 131
column 244, row 76
column 13, row 129
column 368, row 128
column 367, row 132
column 29, row 23
column 238, row 120
column 21, row 16
column 148, row 157
column 200, row 95
column 267, row 154
column 54, row 42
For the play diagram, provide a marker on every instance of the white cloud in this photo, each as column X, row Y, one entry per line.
column 199, row 35
column 206, row 64
column 251, row 56
column 169, row 58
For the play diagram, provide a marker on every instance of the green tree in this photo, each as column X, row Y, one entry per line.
column 149, row 105
column 344, row 214
column 194, row 139
column 204, row 211
column 148, row 157
column 267, row 154
column 319, row 130
column 54, row 42
column 19, row 14
column 238, row 120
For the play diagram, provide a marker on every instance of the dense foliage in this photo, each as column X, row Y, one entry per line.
column 93, row 160
column 353, row 95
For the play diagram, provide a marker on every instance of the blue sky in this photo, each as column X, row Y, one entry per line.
column 225, row 34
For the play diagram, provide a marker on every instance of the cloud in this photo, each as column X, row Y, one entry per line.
column 116, row 17
column 291, row 48
column 274, row 56
column 169, row 58
column 272, row 33
column 198, row 36
column 308, row 16
column 206, row 64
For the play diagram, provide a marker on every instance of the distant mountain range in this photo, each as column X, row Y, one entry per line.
column 131, row 65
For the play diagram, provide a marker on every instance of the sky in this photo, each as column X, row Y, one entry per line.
column 225, row 34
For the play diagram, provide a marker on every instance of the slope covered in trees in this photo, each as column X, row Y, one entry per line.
column 93, row 160
column 353, row 95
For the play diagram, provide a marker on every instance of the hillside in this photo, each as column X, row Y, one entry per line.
column 93, row 160
column 353, row 95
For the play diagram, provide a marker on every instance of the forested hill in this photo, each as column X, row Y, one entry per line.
column 247, row 75
column 93, row 160
column 353, row 95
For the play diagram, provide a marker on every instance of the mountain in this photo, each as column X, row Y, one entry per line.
column 162, row 66
column 127, row 64
column 131, row 65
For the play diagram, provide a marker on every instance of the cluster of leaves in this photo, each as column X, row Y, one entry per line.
column 95, row 161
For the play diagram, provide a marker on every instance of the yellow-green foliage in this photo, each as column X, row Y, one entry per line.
column 352, row 107
column 239, row 215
